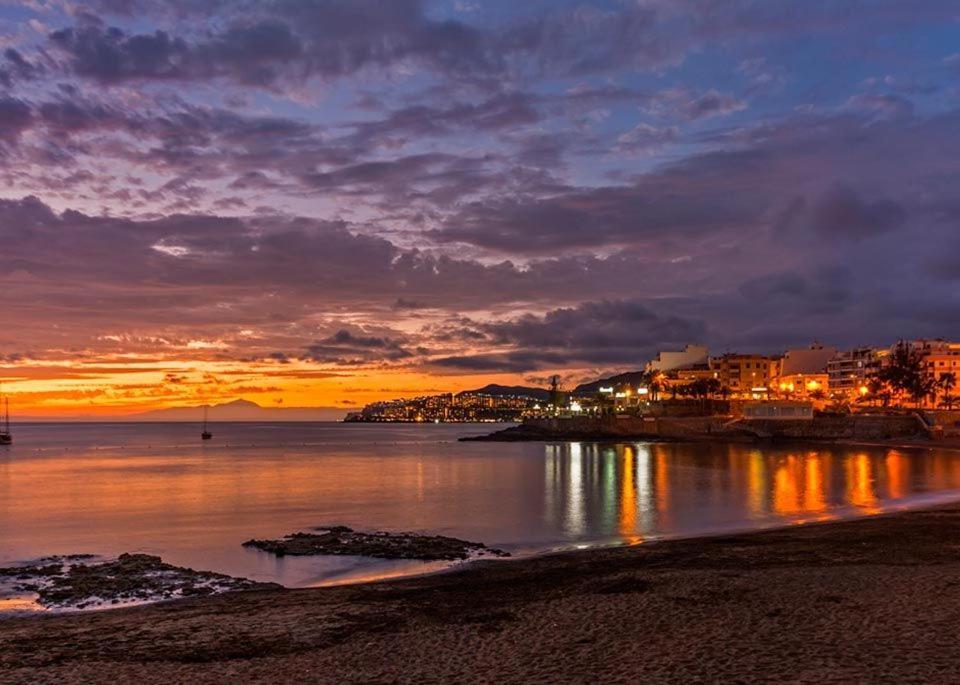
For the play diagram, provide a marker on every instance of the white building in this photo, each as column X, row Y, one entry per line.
column 806, row 360
column 670, row 360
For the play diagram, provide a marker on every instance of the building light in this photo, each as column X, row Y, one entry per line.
column 758, row 389
column 575, row 406
column 864, row 390
column 643, row 391
column 606, row 390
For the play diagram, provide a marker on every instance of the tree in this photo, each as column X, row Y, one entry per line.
column 878, row 391
column 905, row 373
column 947, row 382
column 655, row 388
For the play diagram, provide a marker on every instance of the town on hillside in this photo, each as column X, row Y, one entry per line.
column 918, row 373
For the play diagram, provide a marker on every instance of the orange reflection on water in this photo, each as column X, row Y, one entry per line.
column 859, row 491
column 786, row 494
column 799, row 486
column 756, row 482
column 662, row 485
column 814, row 493
column 898, row 474
column 628, row 498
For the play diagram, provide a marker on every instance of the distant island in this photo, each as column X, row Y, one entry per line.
column 240, row 410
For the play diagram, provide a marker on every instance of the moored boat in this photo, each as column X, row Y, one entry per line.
column 6, row 437
column 205, row 434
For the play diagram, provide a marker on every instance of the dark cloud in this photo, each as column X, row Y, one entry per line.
column 286, row 39
column 346, row 348
column 508, row 362
column 841, row 214
column 268, row 42
column 504, row 111
column 403, row 303
column 16, row 67
column 15, row 117
column 609, row 332
column 271, row 274
column 747, row 185
column 110, row 55
column 823, row 290
column 610, row 216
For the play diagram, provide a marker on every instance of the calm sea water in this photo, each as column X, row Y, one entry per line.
column 113, row 488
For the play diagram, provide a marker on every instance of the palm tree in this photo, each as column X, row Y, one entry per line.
column 947, row 382
column 878, row 390
column 906, row 374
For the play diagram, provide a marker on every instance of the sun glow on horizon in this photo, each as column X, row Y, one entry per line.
column 117, row 387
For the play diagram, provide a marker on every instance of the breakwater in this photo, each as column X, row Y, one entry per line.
column 851, row 427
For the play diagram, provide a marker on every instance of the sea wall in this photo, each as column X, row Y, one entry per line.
column 850, row 427
column 948, row 421
column 629, row 427
column 855, row 427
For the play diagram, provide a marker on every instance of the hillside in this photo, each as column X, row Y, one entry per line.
column 513, row 391
column 631, row 378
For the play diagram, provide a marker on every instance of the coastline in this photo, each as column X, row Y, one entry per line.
column 866, row 599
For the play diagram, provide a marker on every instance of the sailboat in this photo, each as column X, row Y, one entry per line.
column 6, row 437
column 206, row 434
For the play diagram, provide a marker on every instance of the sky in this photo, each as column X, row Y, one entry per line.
column 330, row 202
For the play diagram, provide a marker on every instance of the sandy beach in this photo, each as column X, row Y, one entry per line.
column 875, row 599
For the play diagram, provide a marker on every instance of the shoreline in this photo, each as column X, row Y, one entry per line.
column 870, row 598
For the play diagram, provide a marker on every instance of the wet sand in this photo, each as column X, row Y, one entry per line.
column 869, row 600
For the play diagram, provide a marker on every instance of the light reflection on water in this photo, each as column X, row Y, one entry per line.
column 155, row 489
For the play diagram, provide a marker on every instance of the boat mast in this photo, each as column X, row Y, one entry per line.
column 205, row 410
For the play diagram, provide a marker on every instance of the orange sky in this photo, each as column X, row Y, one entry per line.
column 117, row 387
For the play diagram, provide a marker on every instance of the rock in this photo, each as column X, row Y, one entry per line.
column 341, row 540
column 131, row 578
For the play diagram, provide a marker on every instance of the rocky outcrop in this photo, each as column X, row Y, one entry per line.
column 71, row 582
column 340, row 540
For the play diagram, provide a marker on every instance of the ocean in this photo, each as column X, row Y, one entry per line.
column 106, row 489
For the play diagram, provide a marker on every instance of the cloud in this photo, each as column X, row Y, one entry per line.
column 16, row 67
column 840, row 214
column 883, row 105
column 823, row 290
column 114, row 282
column 693, row 106
column 607, row 332
column 646, row 212
column 15, row 117
column 346, row 348
column 269, row 43
column 283, row 40
column 644, row 138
